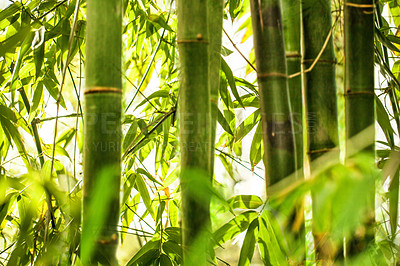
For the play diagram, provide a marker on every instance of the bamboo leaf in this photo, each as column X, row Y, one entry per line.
column 165, row 260
column 130, row 135
column 146, row 254
column 245, row 202
column 270, row 249
column 37, row 97
column 38, row 54
column 10, row 10
column 52, row 88
column 160, row 21
column 385, row 41
column 249, row 243
column 231, row 80
column 227, row 165
column 157, row 94
column 148, row 175
column 383, row 120
column 224, row 124
column 10, row 43
column 144, row 193
column 247, row 125
column 234, row 227
column 256, row 147
column 173, row 250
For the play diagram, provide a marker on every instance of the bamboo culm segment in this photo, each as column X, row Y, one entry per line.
column 102, row 132
column 194, row 121
column 359, row 98
column 279, row 158
column 321, row 104
column 215, row 21
column 292, row 29
column 320, row 91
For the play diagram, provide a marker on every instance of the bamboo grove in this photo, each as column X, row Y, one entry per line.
column 199, row 132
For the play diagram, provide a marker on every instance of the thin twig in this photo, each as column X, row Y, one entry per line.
column 134, row 145
column 237, row 49
column 319, row 54
column 71, row 38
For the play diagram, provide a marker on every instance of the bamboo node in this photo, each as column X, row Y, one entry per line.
column 322, row 150
column 320, row 61
column 351, row 93
column 271, row 74
column 198, row 40
column 292, row 55
column 215, row 101
column 103, row 90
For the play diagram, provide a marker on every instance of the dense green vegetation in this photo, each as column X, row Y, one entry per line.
column 195, row 123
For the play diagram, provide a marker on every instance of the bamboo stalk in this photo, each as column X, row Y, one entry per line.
column 194, row 121
column 359, row 97
column 102, row 132
column 279, row 158
column 321, row 103
column 291, row 29
column 215, row 21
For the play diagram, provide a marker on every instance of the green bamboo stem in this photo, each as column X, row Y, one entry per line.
column 102, row 131
column 215, row 20
column 291, row 29
column 321, row 103
column 279, row 158
column 194, row 121
column 359, row 96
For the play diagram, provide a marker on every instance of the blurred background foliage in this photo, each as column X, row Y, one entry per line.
column 42, row 55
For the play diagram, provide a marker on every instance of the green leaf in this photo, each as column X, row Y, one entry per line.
column 8, row 113
column 235, row 226
column 383, row 120
column 233, row 4
column 245, row 202
column 128, row 185
column 165, row 260
column 247, row 125
column 248, row 100
column 224, row 124
column 385, row 41
column 146, row 254
column 249, row 244
column 227, row 165
column 12, row 131
column 39, row 57
column 173, row 250
column 166, row 128
column 160, row 21
column 144, row 193
column 130, row 135
column 5, row 206
column 231, row 80
column 9, row 45
column 157, row 94
column 268, row 241
column 148, row 175
column 37, row 97
column 26, row 44
column 10, row 10
column 52, row 88
column 256, row 147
